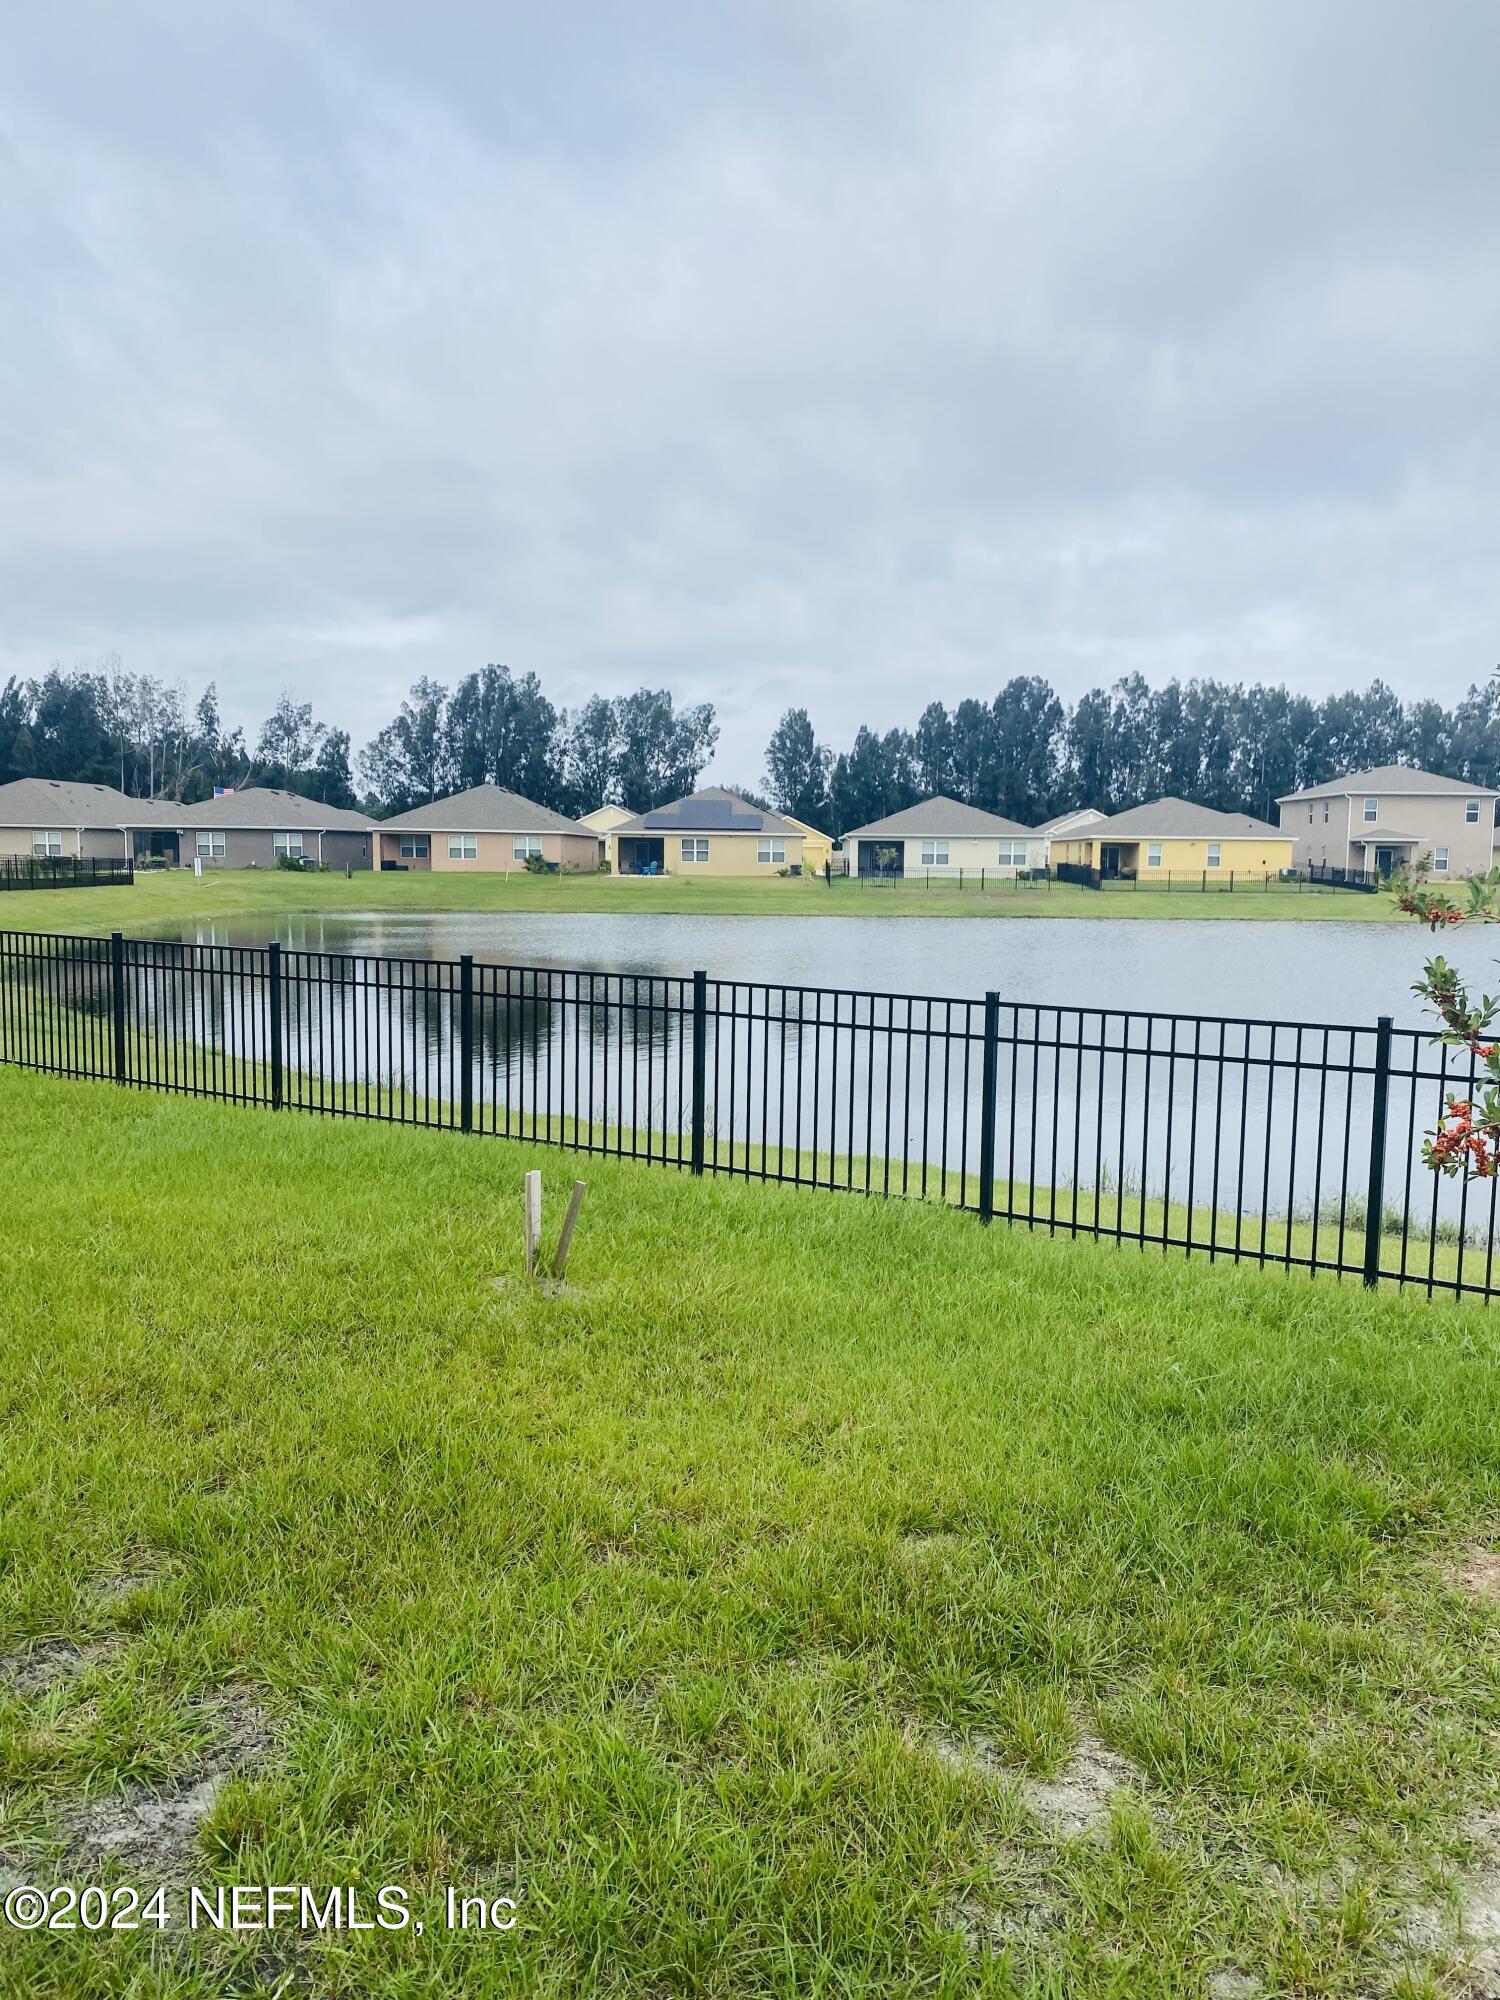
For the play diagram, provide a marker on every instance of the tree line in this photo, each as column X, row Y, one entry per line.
column 1028, row 756
column 1024, row 754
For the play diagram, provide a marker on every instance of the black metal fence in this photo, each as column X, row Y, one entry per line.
column 62, row 871
column 1291, row 1143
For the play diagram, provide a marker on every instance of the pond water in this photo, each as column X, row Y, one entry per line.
column 1323, row 971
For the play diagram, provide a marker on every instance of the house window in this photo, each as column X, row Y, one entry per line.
column 527, row 847
column 415, row 847
column 1011, row 854
column 934, row 854
column 1372, row 811
column 463, row 847
column 289, row 844
column 1309, row 815
column 1213, row 854
column 695, row 850
column 1471, row 811
column 47, row 842
column 1325, row 812
column 771, row 851
column 1153, row 854
column 210, row 845
column 1440, row 861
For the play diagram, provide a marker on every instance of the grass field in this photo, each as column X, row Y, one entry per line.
column 816, row 1597
column 175, row 895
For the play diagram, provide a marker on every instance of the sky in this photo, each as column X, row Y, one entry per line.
column 844, row 356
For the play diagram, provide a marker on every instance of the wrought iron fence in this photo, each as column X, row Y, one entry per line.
column 1291, row 1143
column 62, row 871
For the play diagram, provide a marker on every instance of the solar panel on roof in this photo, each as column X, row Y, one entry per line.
column 707, row 814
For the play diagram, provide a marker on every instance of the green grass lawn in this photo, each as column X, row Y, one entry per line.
column 740, row 1611
column 170, row 897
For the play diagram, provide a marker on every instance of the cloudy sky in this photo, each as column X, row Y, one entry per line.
column 836, row 354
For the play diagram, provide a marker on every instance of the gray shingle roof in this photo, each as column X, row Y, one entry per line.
column 261, row 808
column 939, row 818
column 1180, row 819
column 484, row 809
column 48, row 802
column 1389, row 778
column 713, row 810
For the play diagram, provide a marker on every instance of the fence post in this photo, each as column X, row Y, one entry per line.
column 700, row 1066
column 466, row 1042
column 273, row 1007
column 987, row 1107
column 117, row 995
column 1375, row 1193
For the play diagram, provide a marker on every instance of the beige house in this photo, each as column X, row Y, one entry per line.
column 713, row 833
column 485, row 830
column 941, row 836
column 1392, row 817
column 1066, row 825
column 1175, row 837
column 51, row 818
column 605, row 821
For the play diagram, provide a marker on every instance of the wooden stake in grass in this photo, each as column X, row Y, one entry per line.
column 570, row 1223
column 533, row 1222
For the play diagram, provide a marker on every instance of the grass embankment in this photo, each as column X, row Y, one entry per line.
column 723, row 1608
column 177, row 896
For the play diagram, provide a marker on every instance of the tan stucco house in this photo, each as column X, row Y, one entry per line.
column 1064, row 827
column 1175, row 837
column 941, row 836
column 606, row 821
column 52, row 818
column 711, row 833
column 1392, row 817
column 485, row 830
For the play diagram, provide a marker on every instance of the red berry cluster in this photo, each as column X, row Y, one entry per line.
column 1458, row 1146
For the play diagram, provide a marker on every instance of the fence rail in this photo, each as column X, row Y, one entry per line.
column 1291, row 1143
column 62, row 871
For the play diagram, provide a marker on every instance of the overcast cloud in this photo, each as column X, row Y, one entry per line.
column 845, row 355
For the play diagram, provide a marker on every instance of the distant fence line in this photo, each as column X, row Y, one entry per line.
column 1291, row 1143
column 62, row 871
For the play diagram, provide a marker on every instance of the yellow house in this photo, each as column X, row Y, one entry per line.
column 1175, row 837
column 817, row 848
column 712, row 833
column 605, row 821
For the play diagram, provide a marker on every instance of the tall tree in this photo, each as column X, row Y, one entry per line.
column 797, row 769
column 661, row 751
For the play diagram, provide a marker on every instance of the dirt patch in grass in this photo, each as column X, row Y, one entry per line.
column 1466, row 1933
column 1074, row 1803
column 1077, row 1800
column 1477, row 1573
column 50, row 1663
column 154, row 1832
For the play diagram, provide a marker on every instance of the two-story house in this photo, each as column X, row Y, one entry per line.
column 1390, row 818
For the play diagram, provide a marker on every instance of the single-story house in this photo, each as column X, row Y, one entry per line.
column 605, row 820
column 712, row 832
column 817, row 847
column 256, row 825
column 1392, row 817
column 1063, row 826
column 485, row 830
column 941, row 836
column 1175, row 837
column 51, row 817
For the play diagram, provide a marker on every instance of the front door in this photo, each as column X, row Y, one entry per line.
column 1387, row 860
column 1109, row 860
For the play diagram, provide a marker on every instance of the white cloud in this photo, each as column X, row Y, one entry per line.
column 788, row 354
